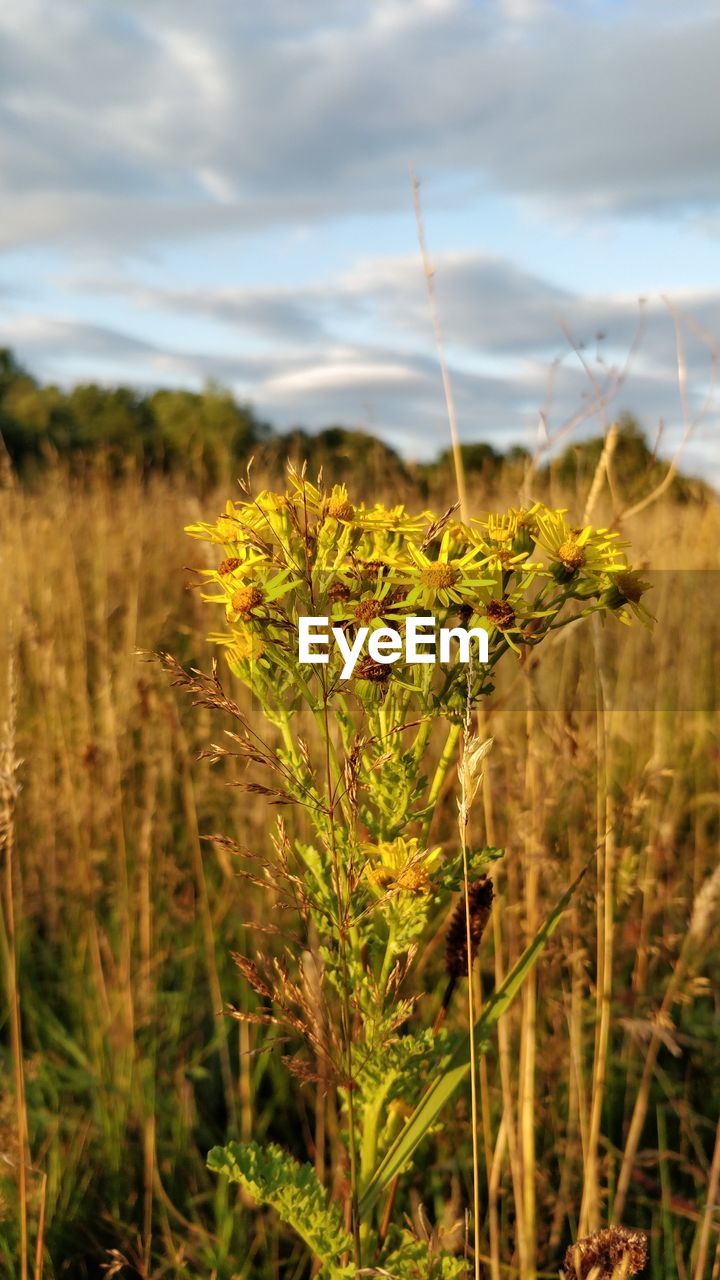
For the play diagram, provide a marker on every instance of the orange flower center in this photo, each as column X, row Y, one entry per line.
column 571, row 556
column 440, row 576
column 246, row 599
column 340, row 509
column 368, row 610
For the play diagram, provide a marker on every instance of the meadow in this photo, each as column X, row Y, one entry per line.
column 600, row 1096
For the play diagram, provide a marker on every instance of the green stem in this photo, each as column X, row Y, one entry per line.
column 422, row 739
column 283, row 723
column 345, row 1003
column 387, row 961
column 443, row 767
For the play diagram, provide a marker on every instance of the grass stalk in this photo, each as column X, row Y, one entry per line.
column 8, row 796
column 440, row 344
column 591, row 1200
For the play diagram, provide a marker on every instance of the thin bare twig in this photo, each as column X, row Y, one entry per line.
column 439, row 342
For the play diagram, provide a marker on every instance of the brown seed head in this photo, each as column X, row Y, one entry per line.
column 614, row 1250
column 371, row 568
column 228, row 566
column 501, row 614
column 480, row 897
column 375, row 672
column 338, row 591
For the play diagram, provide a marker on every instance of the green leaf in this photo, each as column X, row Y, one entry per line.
column 272, row 1176
column 415, row 1259
column 458, row 1065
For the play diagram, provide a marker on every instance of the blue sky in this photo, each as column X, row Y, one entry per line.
column 221, row 191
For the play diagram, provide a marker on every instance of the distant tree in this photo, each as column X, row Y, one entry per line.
column 33, row 418
column 201, row 429
column 476, row 457
column 10, row 370
column 633, row 462
column 342, row 454
column 518, row 454
column 209, row 434
column 114, row 417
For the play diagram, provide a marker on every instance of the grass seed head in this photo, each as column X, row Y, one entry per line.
column 480, row 898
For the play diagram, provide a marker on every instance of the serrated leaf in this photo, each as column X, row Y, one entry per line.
column 272, row 1176
column 458, row 1065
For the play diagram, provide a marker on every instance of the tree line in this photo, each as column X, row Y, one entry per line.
column 210, row 435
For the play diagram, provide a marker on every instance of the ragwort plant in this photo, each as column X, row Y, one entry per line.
column 363, row 879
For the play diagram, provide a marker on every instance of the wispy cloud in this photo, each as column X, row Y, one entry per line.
column 516, row 344
column 122, row 123
column 134, row 136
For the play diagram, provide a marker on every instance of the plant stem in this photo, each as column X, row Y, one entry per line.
column 441, row 772
column 8, row 793
column 473, row 1069
column 590, row 1206
column 464, row 817
column 346, row 1009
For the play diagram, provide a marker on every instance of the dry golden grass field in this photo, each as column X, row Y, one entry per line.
column 599, row 1098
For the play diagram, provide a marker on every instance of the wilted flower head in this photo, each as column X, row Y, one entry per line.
column 625, row 593
column 246, row 599
column 607, row 1255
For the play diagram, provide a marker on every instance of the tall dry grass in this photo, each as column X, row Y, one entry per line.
column 601, row 1100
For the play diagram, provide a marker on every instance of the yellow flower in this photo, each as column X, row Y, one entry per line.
column 578, row 551
column 395, row 520
column 241, row 646
column 400, row 865
column 526, row 528
column 506, row 539
column 228, row 529
column 339, row 506
column 499, row 529
column 443, row 580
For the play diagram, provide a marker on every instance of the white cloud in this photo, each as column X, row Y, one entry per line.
column 125, row 123
column 326, row 357
column 124, row 126
column 347, row 375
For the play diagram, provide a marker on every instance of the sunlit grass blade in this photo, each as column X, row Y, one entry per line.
column 458, row 1065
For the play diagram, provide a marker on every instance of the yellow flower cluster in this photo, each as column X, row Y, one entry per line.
column 312, row 551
